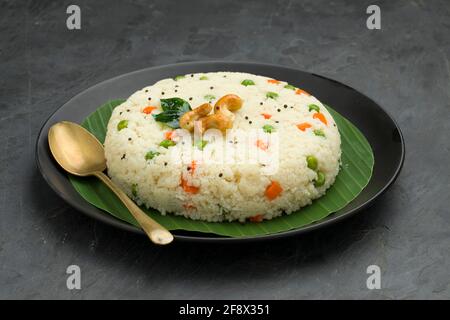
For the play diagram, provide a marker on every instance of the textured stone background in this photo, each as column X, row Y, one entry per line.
column 405, row 67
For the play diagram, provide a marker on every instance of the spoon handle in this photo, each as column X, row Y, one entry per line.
column 157, row 233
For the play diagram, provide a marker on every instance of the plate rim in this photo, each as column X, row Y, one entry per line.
column 115, row 222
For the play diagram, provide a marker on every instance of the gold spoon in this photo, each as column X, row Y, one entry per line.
column 78, row 152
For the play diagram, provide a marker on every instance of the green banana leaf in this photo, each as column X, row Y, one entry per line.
column 355, row 173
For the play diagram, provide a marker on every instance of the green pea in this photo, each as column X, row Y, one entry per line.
column 314, row 107
column 319, row 133
column 248, row 82
column 167, row 143
column 320, row 181
column 268, row 128
column 179, row 78
column 201, row 144
column 151, row 154
column 122, row 125
column 203, row 78
column 134, row 189
column 209, row 97
column 312, row 162
column 290, row 87
column 271, row 95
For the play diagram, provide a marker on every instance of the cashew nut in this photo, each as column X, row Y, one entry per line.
column 188, row 119
column 223, row 116
column 218, row 121
column 228, row 104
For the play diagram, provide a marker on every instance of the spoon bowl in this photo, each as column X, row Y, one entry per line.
column 80, row 153
column 77, row 151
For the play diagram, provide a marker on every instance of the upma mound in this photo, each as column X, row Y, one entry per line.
column 290, row 126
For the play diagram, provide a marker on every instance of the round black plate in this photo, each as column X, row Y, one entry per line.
column 379, row 128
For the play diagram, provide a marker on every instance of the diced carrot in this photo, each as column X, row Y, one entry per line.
column 321, row 117
column 262, row 145
column 273, row 81
column 193, row 166
column 149, row 109
column 266, row 115
column 187, row 188
column 303, row 126
column 257, row 218
column 300, row 91
column 168, row 135
column 188, row 206
column 273, row 190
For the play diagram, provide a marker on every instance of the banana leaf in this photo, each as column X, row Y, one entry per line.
column 356, row 171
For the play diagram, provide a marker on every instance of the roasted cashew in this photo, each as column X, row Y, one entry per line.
column 218, row 121
column 228, row 104
column 188, row 119
column 223, row 116
column 222, row 119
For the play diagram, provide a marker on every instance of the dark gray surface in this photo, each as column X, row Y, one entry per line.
column 405, row 67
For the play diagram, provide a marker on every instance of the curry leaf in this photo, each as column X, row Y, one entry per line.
column 173, row 109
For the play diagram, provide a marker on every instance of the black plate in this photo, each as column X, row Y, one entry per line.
column 379, row 128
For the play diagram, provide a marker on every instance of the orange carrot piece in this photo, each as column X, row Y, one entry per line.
column 273, row 81
column 189, row 206
column 266, row 115
column 169, row 135
column 273, row 190
column 262, row 145
column 257, row 218
column 300, row 91
column 303, row 126
column 149, row 109
column 321, row 117
column 193, row 166
column 187, row 188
